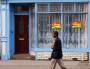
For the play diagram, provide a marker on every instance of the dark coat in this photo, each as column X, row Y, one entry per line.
column 57, row 49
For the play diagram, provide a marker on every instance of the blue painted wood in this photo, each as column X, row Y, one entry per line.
column 8, row 29
column 61, row 33
column 20, row 1
column 47, row 0
column 48, row 7
column 88, row 29
column 75, row 50
column 63, row 12
column 36, row 27
column 30, row 30
column 4, row 57
column 60, row 2
column 64, row 50
column 0, row 22
column 21, row 13
column 3, row 39
column 11, row 32
column 23, row 1
column 41, row 49
column 5, row 44
column 3, row 1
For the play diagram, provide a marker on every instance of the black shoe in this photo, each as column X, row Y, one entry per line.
column 64, row 68
column 49, row 58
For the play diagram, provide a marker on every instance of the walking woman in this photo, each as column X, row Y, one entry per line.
column 56, row 56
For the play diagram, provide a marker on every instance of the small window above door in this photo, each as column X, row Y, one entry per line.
column 21, row 8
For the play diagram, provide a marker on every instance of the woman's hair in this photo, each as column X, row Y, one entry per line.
column 55, row 33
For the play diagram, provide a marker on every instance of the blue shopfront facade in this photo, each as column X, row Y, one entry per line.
column 34, row 18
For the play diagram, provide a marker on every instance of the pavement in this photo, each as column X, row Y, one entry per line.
column 41, row 64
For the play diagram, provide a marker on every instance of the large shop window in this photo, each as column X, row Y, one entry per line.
column 68, row 12
column 45, row 38
column 75, row 37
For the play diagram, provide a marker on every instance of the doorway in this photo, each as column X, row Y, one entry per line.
column 21, row 34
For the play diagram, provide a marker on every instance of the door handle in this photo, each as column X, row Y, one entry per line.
column 21, row 38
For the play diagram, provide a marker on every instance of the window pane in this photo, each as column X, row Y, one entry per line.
column 83, row 7
column 21, row 26
column 68, row 7
column 55, row 7
column 33, row 31
column 42, row 7
column 75, row 37
column 45, row 38
column 21, row 8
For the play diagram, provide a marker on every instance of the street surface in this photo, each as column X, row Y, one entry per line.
column 41, row 64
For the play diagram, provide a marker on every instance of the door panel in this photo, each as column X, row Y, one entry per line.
column 21, row 34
